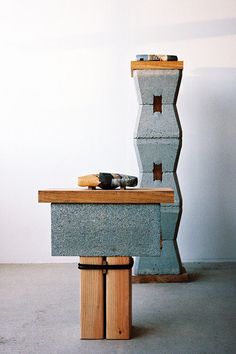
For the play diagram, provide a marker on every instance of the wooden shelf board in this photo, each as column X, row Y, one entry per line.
column 156, row 65
column 100, row 196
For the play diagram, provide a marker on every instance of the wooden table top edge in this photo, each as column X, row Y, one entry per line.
column 100, row 196
column 156, row 65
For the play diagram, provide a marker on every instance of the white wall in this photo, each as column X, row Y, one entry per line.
column 68, row 107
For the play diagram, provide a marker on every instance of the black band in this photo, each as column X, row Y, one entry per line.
column 106, row 266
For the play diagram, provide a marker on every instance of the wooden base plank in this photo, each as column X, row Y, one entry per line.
column 91, row 300
column 161, row 278
column 118, row 300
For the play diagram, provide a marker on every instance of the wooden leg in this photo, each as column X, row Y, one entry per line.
column 118, row 300
column 91, row 300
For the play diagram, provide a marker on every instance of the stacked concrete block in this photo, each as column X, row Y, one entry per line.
column 151, row 83
column 105, row 229
column 157, row 125
column 157, row 151
column 158, row 141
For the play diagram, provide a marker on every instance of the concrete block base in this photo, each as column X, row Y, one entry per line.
column 168, row 263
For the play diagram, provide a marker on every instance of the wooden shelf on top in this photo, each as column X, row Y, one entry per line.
column 101, row 196
column 156, row 65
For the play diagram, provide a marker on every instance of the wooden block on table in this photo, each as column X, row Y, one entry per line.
column 118, row 300
column 91, row 300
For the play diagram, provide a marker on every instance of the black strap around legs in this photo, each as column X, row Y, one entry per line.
column 106, row 266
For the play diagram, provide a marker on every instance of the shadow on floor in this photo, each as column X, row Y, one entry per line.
column 142, row 331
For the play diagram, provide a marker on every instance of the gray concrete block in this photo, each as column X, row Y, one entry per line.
column 151, row 83
column 168, row 263
column 169, row 180
column 105, row 229
column 158, row 151
column 170, row 219
column 158, row 125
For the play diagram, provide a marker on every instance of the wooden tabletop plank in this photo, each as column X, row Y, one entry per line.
column 100, row 196
column 156, row 65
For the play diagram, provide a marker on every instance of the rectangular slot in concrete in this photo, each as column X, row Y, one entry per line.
column 157, row 104
column 157, row 172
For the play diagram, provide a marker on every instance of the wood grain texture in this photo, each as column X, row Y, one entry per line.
column 128, row 196
column 161, row 278
column 91, row 300
column 118, row 300
column 156, row 65
column 89, row 180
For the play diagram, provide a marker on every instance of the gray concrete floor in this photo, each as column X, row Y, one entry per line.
column 39, row 313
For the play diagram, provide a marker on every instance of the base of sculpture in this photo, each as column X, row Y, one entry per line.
column 161, row 278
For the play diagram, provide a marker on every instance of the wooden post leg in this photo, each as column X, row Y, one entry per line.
column 91, row 300
column 118, row 300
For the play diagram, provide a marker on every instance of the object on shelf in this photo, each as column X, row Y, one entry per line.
column 106, row 180
column 156, row 57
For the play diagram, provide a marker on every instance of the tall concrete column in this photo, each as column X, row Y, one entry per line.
column 158, row 140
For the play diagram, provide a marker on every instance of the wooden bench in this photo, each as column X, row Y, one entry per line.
column 106, row 228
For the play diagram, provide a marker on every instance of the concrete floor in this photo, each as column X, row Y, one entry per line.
column 39, row 313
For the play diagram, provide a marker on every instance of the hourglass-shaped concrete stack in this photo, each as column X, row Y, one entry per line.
column 158, row 140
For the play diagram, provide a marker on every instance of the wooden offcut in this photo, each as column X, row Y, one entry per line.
column 156, row 65
column 128, row 196
column 118, row 300
column 91, row 300
column 89, row 180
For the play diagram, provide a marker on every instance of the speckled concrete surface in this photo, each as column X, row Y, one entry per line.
column 167, row 263
column 158, row 151
column 157, row 125
column 39, row 306
column 105, row 229
column 170, row 218
column 151, row 83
